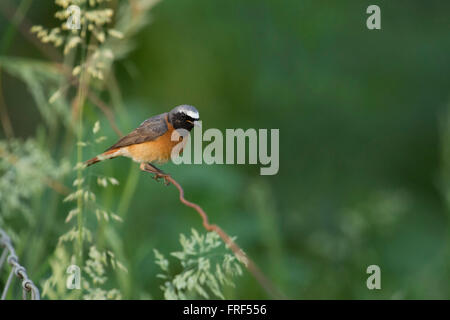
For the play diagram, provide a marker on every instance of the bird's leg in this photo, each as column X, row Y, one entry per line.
column 148, row 167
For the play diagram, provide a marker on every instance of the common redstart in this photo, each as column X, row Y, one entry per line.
column 152, row 141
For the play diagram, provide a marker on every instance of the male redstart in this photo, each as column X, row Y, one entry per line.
column 152, row 140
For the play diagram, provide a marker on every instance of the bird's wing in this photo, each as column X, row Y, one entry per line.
column 149, row 130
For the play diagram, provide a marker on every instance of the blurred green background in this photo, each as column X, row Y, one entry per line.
column 364, row 132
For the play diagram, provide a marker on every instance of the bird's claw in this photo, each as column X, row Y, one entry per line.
column 157, row 174
column 164, row 176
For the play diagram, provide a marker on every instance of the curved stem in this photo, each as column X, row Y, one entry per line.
column 238, row 252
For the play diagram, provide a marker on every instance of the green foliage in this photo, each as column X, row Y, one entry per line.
column 43, row 80
column 364, row 145
column 93, row 283
column 205, row 269
column 95, row 266
column 25, row 170
column 55, row 287
column 444, row 181
column 90, row 51
column 95, row 269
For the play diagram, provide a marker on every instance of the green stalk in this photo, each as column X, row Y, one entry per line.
column 80, row 101
column 81, row 96
column 11, row 30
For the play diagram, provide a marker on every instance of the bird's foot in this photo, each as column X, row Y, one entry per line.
column 157, row 173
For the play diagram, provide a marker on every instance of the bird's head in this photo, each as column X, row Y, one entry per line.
column 184, row 117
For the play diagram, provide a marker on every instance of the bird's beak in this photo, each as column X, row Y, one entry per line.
column 195, row 123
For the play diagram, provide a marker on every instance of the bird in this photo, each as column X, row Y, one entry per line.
column 152, row 141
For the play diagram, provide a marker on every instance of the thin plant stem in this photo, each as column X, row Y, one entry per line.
column 24, row 26
column 5, row 45
column 80, row 173
column 238, row 252
column 4, row 117
column 78, row 111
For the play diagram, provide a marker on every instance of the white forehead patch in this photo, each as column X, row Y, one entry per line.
column 191, row 113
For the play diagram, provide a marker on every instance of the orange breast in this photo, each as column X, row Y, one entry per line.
column 158, row 150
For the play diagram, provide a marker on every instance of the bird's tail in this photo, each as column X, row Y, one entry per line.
column 92, row 161
column 104, row 156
